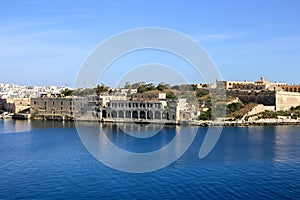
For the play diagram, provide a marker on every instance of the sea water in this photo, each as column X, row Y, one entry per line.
column 47, row 160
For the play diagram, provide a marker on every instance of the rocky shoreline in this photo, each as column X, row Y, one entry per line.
column 261, row 122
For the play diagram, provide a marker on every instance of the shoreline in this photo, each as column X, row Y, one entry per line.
column 208, row 123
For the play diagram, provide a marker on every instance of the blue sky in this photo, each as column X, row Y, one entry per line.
column 45, row 42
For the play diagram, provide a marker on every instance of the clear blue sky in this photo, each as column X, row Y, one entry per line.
column 45, row 42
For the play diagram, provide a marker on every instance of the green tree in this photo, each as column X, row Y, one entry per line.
column 150, row 87
column 127, row 85
column 67, row 92
column 136, row 85
column 206, row 115
column 231, row 108
column 101, row 89
column 142, row 88
column 163, row 86
column 201, row 92
column 171, row 95
column 175, row 87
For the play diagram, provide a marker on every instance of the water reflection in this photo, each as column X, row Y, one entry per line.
column 123, row 152
column 284, row 149
column 17, row 126
column 264, row 143
column 14, row 126
column 140, row 130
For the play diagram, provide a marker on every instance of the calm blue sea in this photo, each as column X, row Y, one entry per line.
column 47, row 160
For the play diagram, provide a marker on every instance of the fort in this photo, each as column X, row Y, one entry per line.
column 274, row 96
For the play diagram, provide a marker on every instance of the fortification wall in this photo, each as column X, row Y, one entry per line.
column 267, row 98
column 285, row 100
column 281, row 100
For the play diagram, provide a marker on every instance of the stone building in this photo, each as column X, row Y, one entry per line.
column 105, row 98
column 171, row 111
column 261, row 84
column 291, row 88
column 141, row 111
column 56, row 106
column 128, row 91
column 14, row 105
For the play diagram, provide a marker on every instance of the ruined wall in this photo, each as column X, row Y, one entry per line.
column 285, row 100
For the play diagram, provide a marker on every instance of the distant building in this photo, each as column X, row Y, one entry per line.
column 185, row 111
column 203, row 85
column 291, row 88
column 14, row 105
column 261, row 84
column 128, row 91
column 149, row 96
column 274, row 96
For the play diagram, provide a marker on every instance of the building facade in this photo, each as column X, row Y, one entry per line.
column 56, row 106
column 291, row 88
column 15, row 105
column 261, row 84
column 142, row 111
